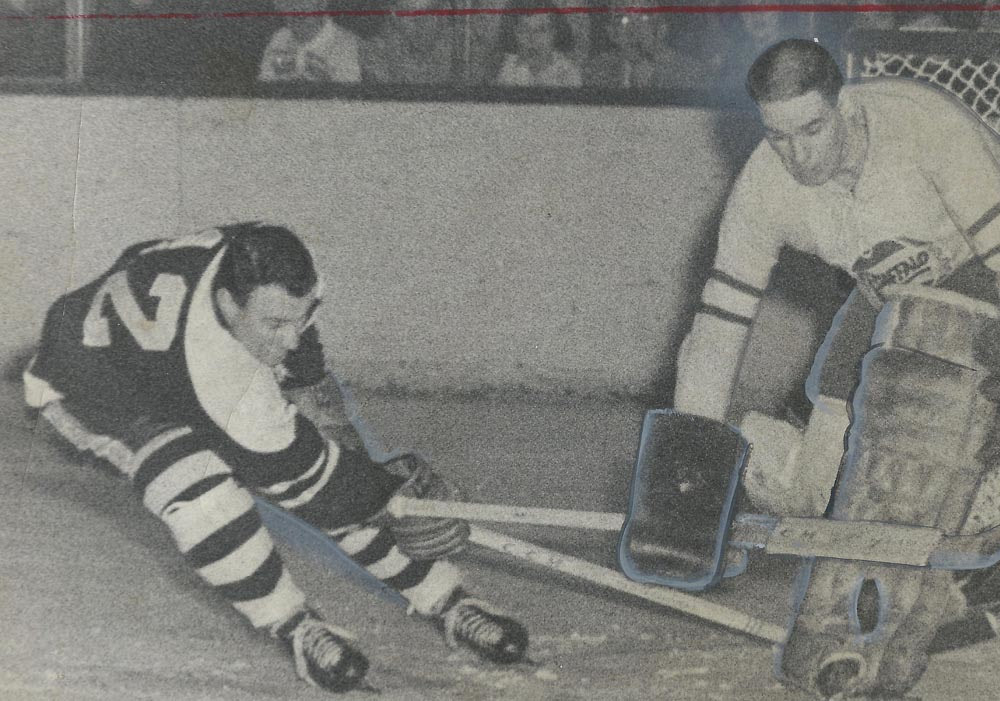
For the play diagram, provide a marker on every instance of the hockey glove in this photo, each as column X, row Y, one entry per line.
column 423, row 538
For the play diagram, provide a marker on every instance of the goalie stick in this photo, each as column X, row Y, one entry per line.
column 306, row 539
column 872, row 541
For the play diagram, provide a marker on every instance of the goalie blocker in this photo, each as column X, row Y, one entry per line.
column 918, row 453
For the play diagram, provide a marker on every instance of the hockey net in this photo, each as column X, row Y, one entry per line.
column 967, row 64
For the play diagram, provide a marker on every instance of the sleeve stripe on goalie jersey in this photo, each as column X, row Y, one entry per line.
column 722, row 296
column 987, row 233
column 725, row 316
column 167, row 452
column 233, row 566
column 259, row 583
column 224, row 541
column 985, row 220
column 737, row 285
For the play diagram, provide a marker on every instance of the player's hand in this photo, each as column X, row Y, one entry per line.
column 423, row 538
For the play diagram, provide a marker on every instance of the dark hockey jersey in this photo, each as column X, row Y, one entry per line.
column 144, row 340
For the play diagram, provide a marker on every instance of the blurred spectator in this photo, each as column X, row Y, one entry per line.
column 744, row 35
column 535, row 47
column 310, row 47
column 410, row 50
column 202, row 52
column 931, row 20
column 644, row 52
column 623, row 50
column 32, row 48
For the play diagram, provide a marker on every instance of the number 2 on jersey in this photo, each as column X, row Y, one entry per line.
column 156, row 334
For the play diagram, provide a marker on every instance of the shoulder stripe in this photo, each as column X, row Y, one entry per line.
column 985, row 220
column 735, row 284
column 724, row 315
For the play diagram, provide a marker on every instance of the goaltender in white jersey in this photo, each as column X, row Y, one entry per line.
column 891, row 180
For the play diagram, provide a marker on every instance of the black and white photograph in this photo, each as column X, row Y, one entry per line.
column 500, row 349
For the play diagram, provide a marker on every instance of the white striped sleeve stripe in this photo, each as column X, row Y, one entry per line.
column 180, row 476
column 275, row 608
column 330, row 464
column 158, row 442
column 389, row 566
column 332, row 453
column 357, row 541
column 242, row 562
column 726, row 297
column 194, row 521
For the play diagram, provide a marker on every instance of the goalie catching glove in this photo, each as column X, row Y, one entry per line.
column 420, row 537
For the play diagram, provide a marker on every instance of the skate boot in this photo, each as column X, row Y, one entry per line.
column 323, row 655
column 476, row 625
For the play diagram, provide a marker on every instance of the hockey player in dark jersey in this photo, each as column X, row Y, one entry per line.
column 193, row 366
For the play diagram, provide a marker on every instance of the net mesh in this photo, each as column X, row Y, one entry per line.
column 975, row 81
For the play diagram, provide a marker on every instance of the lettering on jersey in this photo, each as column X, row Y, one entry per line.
column 156, row 334
column 900, row 262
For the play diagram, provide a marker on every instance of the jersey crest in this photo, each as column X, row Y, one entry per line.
column 901, row 261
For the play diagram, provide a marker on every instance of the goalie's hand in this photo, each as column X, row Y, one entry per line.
column 419, row 537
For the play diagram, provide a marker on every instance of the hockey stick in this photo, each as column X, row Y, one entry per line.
column 308, row 539
column 605, row 577
column 872, row 541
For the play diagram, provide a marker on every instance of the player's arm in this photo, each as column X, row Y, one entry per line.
column 710, row 355
column 317, row 394
column 323, row 404
column 960, row 156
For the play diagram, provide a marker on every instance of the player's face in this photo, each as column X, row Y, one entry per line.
column 807, row 132
column 271, row 322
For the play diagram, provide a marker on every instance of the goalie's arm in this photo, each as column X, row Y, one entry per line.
column 710, row 355
column 960, row 156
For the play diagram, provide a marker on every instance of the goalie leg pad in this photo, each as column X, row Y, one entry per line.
column 913, row 457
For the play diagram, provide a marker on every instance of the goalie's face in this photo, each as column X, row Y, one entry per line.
column 807, row 132
column 270, row 323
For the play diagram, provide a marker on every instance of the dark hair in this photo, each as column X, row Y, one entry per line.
column 263, row 254
column 563, row 40
column 791, row 68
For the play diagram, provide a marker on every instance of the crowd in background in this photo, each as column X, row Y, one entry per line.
column 624, row 51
